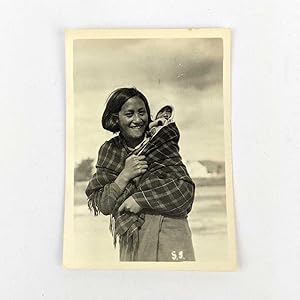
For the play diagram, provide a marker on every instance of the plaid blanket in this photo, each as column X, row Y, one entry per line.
column 166, row 188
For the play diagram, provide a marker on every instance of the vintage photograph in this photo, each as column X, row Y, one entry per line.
column 148, row 150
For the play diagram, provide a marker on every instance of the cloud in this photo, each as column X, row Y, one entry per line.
column 188, row 63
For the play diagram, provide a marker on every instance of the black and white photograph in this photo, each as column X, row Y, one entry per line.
column 148, row 150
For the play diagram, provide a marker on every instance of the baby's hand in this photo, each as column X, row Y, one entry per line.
column 157, row 122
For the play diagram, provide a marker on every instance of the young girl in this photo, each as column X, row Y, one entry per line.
column 149, row 218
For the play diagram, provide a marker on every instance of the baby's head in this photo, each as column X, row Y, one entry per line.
column 164, row 117
column 165, row 112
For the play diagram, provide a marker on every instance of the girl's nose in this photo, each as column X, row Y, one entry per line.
column 136, row 118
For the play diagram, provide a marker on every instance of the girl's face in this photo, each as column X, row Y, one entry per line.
column 133, row 120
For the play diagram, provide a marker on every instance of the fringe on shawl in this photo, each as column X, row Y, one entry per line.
column 129, row 241
column 92, row 205
column 112, row 229
column 129, row 244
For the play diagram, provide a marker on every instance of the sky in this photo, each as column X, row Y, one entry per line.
column 186, row 73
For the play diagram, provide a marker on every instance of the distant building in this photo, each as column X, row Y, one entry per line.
column 215, row 168
column 197, row 170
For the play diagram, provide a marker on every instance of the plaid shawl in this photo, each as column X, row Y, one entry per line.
column 166, row 188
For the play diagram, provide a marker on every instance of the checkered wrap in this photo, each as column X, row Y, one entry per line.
column 166, row 188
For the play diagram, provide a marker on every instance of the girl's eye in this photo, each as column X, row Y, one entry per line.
column 128, row 115
column 142, row 113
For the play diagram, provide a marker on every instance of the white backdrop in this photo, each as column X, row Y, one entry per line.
column 266, row 145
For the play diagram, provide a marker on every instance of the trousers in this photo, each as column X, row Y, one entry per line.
column 163, row 239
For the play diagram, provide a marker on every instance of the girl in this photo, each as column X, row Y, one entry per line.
column 149, row 218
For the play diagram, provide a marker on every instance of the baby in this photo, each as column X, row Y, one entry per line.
column 164, row 117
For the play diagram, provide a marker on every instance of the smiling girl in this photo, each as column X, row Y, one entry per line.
column 149, row 219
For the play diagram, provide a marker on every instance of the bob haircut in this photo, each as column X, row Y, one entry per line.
column 114, row 104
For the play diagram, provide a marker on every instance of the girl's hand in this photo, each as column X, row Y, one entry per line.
column 134, row 166
column 130, row 205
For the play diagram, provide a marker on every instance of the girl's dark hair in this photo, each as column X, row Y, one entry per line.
column 114, row 104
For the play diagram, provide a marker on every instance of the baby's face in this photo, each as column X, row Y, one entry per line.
column 166, row 113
